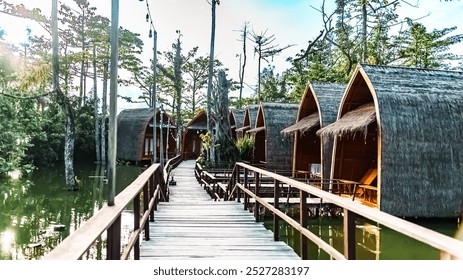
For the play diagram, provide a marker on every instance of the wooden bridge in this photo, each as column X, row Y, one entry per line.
column 193, row 226
column 182, row 221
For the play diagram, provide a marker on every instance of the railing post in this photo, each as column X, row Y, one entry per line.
column 145, row 208
column 257, row 192
column 237, row 180
column 113, row 249
column 152, row 185
column 276, row 204
column 246, row 197
column 136, row 225
column 349, row 234
column 303, row 219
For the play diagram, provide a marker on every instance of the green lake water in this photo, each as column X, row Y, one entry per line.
column 37, row 213
column 373, row 241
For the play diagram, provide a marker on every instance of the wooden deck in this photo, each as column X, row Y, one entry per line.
column 193, row 226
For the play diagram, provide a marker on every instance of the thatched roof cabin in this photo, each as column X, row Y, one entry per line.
column 318, row 108
column 250, row 114
column 135, row 134
column 192, row 143
column 405, row 123
column 271, row 148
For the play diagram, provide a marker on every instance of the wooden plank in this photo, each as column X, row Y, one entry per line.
column 192, row 225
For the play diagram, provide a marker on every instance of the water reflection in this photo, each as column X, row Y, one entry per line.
column 37, row 212
column 373, row 241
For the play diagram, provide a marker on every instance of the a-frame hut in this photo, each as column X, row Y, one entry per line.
column 318, row 108
column 192, row 143
column 135, row 135
column 271, row 148
column 250, row 114
column 406, row 124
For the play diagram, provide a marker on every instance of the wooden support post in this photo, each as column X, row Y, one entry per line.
column 246, row 197
column 303, row 219
column 136, row 225
column 152, row 185
column 237, row 180
column 257, row 192
column 113, row 249
column 276, row 204
column 145, row 208
column 349, row 234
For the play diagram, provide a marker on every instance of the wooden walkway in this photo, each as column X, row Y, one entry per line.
column 193, row 226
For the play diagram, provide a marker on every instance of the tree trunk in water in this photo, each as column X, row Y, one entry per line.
column 227, row 153
column 103, row 111
column 65, row 104
column 82, row 63
column 96, row 116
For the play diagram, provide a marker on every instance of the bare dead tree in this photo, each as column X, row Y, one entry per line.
column 265, row 49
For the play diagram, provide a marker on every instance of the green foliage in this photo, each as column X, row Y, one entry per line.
column 13, row 141
column 245, row 147
column 273, row 86
column 423, row 49
column 48, row 144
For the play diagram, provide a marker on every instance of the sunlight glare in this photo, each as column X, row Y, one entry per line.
column 7, row 239
column 15, row 174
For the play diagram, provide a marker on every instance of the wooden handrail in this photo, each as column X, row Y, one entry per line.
column 450, row 248
column 108, row 218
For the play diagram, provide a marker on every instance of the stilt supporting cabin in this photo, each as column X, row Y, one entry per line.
column 405, row 124
column 135, row 135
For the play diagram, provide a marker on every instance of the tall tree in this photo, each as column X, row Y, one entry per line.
column 174, row 74
column 65, row 104
column 213, row 4
column 197, row 79
column 226, row 153
column 244, row 35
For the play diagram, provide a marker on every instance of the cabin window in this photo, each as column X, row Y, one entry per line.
column 194, row 145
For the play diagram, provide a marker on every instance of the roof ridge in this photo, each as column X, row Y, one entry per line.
column 411, row 68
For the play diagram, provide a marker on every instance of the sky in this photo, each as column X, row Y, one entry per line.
column 292, row 22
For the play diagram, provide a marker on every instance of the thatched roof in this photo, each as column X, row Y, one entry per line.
column 199, row 121
column 328, row 96
column 421, row 137
column 250, row 114
column 304, row 125
column 239, row 117
column 277, row 116
column 131, row 128
column 353, row 122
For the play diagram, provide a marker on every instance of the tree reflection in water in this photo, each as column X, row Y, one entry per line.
column 37, row 212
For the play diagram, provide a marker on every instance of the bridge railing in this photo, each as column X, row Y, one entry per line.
column 240, row 187
column 144, row 193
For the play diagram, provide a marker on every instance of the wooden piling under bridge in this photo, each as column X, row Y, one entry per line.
column 193, row 226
